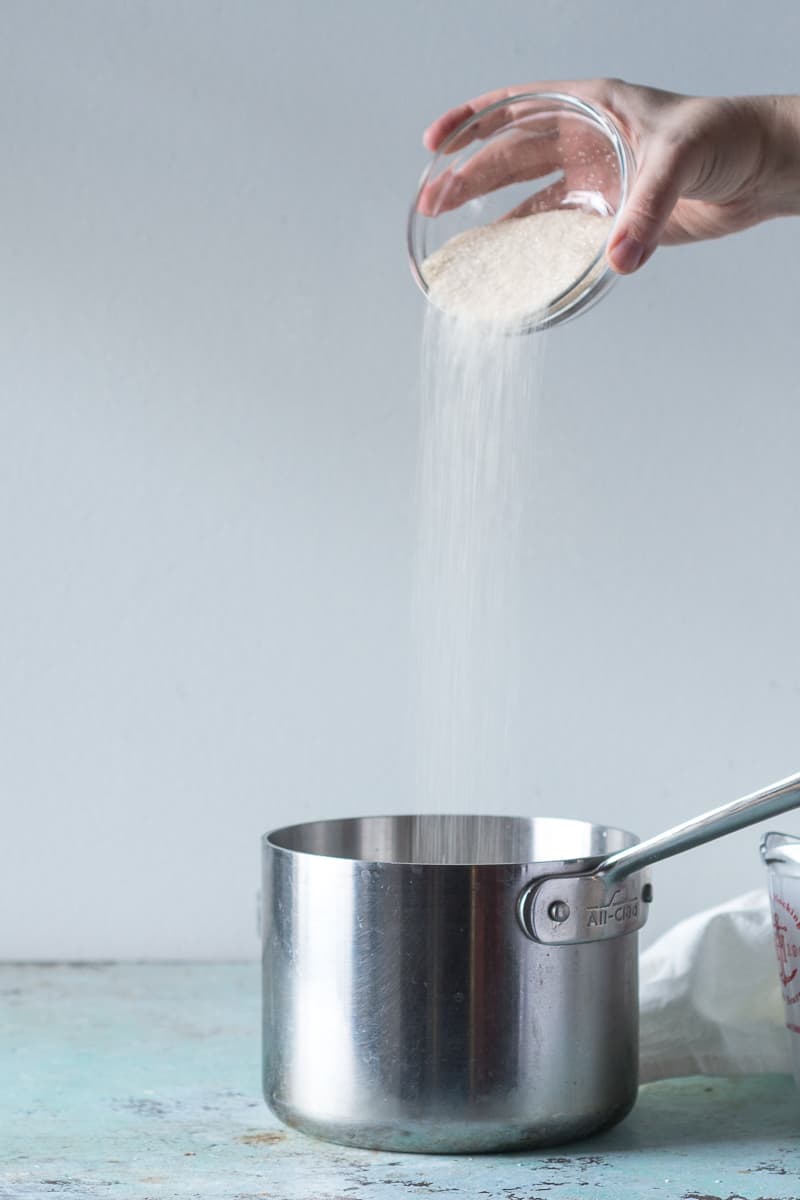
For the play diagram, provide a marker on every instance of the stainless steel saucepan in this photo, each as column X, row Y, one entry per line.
column 459, row 984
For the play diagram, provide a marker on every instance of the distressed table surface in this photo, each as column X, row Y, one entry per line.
column 136, row 1081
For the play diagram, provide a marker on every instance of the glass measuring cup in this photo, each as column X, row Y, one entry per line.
column 534, row 152
column 781, row 855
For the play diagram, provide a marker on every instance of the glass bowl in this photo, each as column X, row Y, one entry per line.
column 531, row 153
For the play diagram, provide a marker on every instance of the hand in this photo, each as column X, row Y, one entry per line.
column 705, row 167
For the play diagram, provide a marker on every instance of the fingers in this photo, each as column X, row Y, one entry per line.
column 513, row 159
column 530, row 150
column 494, row 116
column 445, row 125
column 657, row 188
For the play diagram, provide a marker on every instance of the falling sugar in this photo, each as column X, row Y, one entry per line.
column 481, row 392
column 478, row 398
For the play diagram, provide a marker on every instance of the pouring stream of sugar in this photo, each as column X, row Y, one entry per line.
column 481, row 391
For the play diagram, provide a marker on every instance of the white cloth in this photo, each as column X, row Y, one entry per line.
column 710, row 998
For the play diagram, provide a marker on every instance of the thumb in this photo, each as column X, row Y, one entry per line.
column 656, row 190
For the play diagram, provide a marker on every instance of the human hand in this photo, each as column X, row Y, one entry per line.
column 705, row 167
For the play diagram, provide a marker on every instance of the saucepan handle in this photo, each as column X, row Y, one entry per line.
column 567, row 909
column 759, row 806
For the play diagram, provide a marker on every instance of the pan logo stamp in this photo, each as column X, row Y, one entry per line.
column 620, row 909
column 786, row 924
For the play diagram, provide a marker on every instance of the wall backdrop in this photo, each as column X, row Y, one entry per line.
column 209, row 350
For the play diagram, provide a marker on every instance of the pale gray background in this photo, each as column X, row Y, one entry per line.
column 208, row 412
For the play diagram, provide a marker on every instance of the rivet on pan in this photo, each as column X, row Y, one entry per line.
column 558, row 911
column 647, row 893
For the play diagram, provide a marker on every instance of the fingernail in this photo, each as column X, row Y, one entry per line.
column 627, row 255
column 424, row 204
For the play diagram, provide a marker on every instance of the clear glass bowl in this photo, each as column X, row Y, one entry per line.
column 533, row 152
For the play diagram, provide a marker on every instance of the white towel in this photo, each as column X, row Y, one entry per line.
column 710, row 996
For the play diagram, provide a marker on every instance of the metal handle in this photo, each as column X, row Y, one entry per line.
column 758, row 806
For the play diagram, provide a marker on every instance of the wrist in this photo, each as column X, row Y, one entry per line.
column 780, row 190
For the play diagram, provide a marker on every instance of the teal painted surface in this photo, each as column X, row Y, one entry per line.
column 137, row 1081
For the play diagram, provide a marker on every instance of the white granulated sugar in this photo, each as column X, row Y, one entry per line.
column 507, row 271
column 480, row 395
column 482, row 391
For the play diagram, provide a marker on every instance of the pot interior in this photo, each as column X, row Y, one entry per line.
column 450, row 839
